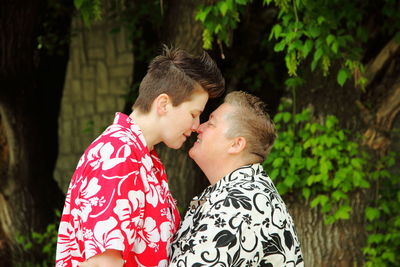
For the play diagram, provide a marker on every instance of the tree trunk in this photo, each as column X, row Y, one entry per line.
column 333, row 245
column 180, row 27
column 30, row 97
column 339, row 244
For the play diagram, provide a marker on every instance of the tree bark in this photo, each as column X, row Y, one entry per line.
column 382, row 73
column 32, row 82
column 327, row 245
column 180, row 27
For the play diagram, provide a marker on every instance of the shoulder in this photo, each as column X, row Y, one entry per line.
column 115, row 142
column 250, row 181
column 249, row 190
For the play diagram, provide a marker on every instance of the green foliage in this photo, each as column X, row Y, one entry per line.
column 44, row 243
column 383, row 217
column 90, row 10
column 321, row 31
column 321, row 163
column 318, row 159
column 220, row 19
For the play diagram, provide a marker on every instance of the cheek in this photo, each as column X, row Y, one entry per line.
column 185, row 122
column 191, row 152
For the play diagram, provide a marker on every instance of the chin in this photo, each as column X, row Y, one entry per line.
column 176, row 145
column 192, row 153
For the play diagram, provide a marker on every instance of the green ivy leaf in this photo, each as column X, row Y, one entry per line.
column 342, row 76
column 276, row 31
column 375, row 238
column 278, row 117
column 338, row 195
column 306, row 192
column 311, row 163
column 325, row 166
column 274, row 174
column 78, row 3
column 314, row 128
column 294, row 82
column 286, row 117
column 280, row 46
column 317, row 55
column 202, row 14
column 319, row 200
column 310, row 179
column 207, row 39
column 372, row 213
column 355, row 162
column 314, row 31
column 307, row 48
column 218, row 28
column 330, row 38
column 389, row 255
column 28, row 245
column 241, row 2
column 321, row 20
column 331, row 121
column 277, row 162
column 289, row 181
column 335, row 47
column 223, row 7
column 343, row 212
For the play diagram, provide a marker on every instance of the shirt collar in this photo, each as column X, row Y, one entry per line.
column 127, row 122
column 245, row 172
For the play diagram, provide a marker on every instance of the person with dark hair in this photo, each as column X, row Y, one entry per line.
column 118, row 209
column 240, row 219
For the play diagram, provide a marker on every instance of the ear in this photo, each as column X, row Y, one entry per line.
column 161, row 103
column 237, row 146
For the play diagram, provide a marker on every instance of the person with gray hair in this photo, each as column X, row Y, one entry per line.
column 240, row 219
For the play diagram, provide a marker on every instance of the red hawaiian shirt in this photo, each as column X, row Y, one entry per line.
column 119, row 199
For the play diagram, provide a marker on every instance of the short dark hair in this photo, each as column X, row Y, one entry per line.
column 251, row 121
column 176, row 73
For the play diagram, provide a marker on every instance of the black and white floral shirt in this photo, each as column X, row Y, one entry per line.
column 239, row 221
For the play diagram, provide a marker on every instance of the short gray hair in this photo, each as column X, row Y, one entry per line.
column 251, row 121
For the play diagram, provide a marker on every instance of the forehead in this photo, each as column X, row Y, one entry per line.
column 222, row 112
column 198, row 96
column 197, row 101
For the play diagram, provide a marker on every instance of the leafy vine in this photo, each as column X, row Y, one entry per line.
column 326, row 163
column 324, row 31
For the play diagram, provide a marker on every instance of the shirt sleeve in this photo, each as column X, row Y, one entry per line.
column 220, row 234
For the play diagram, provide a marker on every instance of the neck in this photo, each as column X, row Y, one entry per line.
column 146, row 123
column 220, row 169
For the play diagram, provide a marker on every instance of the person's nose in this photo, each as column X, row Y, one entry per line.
column 196, row 124
column 199, row 129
